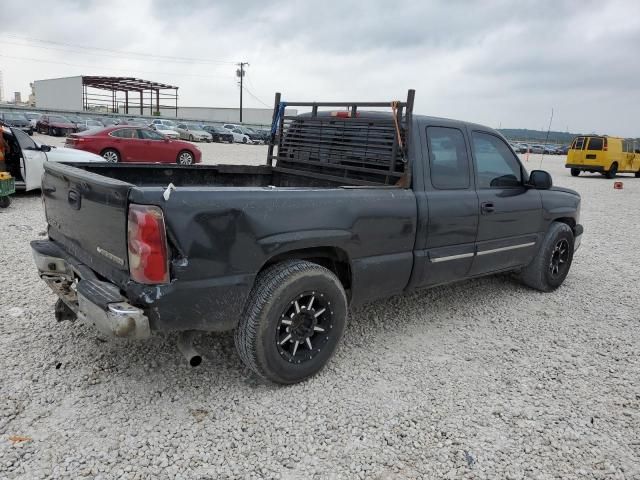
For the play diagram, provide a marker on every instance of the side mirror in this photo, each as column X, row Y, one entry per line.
column 45, row 148
column 540, row 180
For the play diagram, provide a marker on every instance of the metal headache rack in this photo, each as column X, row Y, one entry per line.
column 350, row 145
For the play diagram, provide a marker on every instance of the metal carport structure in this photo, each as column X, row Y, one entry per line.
column 151, row 95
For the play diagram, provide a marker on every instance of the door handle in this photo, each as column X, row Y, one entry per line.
column 488, row 207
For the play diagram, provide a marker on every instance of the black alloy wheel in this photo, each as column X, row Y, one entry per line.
column 559, row 263
column 304, row 327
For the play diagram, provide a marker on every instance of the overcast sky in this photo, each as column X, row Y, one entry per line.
column 500, row 63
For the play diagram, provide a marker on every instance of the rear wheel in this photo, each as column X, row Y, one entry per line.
column 551, row 265
column 292, row 322
column 244, row 139
column 575, row 172
column 638, row 174
column 612, row 170
column 111, row 155
column 185, row 158
column 5, row 201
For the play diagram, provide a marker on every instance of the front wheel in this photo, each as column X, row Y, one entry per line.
column 292, row 322
column 244, row 139
column 185, row 158
column 638, row 174
column 191, row 138
column 5, row 201
column 551, row 265
column 575, row 172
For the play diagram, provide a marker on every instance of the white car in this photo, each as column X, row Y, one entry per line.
column 33, row 118
column 238, row 136
column 165, row 130
column 26, row 158
column 167, row 123
column 193, row 132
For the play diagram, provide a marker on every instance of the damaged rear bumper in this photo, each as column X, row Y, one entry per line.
column 93, row 301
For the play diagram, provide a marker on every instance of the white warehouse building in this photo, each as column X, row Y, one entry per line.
column 133, row 96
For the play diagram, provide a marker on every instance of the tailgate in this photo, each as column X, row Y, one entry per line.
column 87, row 215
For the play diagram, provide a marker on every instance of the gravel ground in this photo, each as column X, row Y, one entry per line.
column 483, row 379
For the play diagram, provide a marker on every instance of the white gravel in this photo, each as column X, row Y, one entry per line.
column 483, row 379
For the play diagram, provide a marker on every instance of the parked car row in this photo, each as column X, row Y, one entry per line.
column 65, row 125
column 539, row 148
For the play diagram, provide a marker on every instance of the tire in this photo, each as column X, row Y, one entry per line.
column 244, row 139
column 191, row 138
column 552, row 263
column 638, row 174
column 575, row 172
column 185, row 157
column 5, row 201
column 612, row 170
column 111, row 155
column 291, row 295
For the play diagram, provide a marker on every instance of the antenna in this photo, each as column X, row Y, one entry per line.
column 546, row 138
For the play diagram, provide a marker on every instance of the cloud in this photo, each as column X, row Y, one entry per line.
column 492, row 62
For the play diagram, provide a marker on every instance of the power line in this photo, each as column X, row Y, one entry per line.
column 119, row 52
column 256, row 98
column 39, row 60
column 94, row 54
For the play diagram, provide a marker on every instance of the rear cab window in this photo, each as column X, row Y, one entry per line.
column 448, row 159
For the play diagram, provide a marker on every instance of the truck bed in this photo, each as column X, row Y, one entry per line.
column 155, row 175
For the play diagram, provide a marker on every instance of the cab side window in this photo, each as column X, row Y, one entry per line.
column 448, row 159
column 496, row 165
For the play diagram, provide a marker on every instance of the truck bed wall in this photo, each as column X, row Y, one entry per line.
column 206, row 175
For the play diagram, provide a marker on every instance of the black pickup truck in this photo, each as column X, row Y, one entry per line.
column 353, row 204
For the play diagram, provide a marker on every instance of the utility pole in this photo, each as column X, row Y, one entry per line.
column 240, row 73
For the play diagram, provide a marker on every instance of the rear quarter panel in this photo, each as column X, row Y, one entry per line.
column 225, row 236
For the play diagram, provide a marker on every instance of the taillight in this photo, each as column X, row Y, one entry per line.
column 147, row 241
column 606, row 146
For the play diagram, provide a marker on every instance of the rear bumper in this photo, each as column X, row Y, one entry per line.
column 589, row 168
column 94, row 301
column 134, row 310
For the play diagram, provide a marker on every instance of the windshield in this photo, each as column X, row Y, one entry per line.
column 59, row 119
column 32, row 115
column 93, row 123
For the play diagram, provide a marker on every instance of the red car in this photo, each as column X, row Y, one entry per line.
column 55, row 125
column 130, row 143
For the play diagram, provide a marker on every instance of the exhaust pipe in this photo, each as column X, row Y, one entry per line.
column 185, row 345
